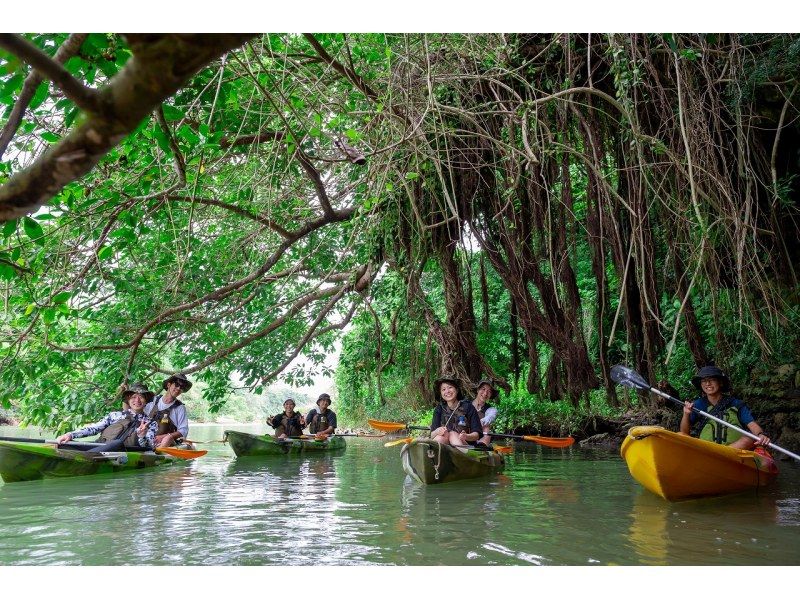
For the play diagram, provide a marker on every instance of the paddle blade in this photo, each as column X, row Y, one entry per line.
column 180, row 453
column 396, row 442
column 386, row 426
column 504, row 450
column 628, row 377
column 551, row 442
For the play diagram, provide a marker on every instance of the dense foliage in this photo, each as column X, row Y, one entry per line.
column 532, row 208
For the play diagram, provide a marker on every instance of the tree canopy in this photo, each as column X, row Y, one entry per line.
column 522, row 206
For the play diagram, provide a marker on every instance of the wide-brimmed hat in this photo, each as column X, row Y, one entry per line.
column 712, row 371
column 437, row 386
column 179, row 379
column 138, row 388
column 491, row 385
column 289, row 401
column 325, row 397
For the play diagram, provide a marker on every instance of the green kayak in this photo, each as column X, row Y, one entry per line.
column 255, row 445
column 429, row 462
column 24, row 461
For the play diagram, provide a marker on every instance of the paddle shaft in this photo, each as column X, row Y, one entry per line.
column 43, row 441
column 723, row 422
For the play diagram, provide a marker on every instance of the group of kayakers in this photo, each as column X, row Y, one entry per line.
column 321, row 420
column 457, row 421
column 145, row 422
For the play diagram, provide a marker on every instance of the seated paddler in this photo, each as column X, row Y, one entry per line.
column 288, row 423
column 717, row 400
column 486, row 391
column 321, row 420
column 169, row 412
column 455, row 420
column 129, row 429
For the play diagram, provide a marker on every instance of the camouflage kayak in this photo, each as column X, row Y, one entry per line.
column 24, row 461
column 261, row 445
column 429, row 462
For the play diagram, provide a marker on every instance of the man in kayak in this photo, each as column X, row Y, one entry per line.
column 484, row 392
column 455, row 420
column 322, row 420
column 717, row 401
column 287, row 423
column 129, row 429
column 169, row 413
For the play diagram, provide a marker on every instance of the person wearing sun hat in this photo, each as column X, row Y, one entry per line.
column 484, row 392
column 716, row 400
column 322, row 420
column 288, row 423
column 169, row 413
column 455, row 420
column 129, row 429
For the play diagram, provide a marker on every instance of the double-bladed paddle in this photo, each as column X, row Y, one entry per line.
column 632, row 379
column 504, row 450
column 543, row 440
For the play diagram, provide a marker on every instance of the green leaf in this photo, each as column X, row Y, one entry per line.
column 9, row 228
column 7, row 272
column 30, row 308
column 173, row 112
column 62, row 297
column 162, row 141
column 40, row 96
column 33, row 229
column 186, row 133
column 105, row 252
column 51, row 137
column 412, row 176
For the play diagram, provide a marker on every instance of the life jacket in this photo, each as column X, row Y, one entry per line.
column 291, row 425
column 319, row 422
column 165, row 425
column 124, row 428
column 456, row 420
column 708, row 429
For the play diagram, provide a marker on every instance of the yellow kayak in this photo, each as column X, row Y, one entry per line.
column 680, row 467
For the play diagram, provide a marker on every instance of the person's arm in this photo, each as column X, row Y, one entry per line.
column 147, row 439
column 474, row 425
column 686, row 424
column 332, row 423
column 181, row 421
column 747, row 420
column 95, row 428
column 436, row 424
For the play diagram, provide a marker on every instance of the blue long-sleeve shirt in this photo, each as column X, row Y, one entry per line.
column 146, row 441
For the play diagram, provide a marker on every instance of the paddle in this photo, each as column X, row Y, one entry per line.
column 505, row 450
column 43, row 441
column 179, row 453
column 632, row 379
column 543, row 440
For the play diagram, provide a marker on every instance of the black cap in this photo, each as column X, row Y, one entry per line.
column 138, row 388
column 179, row 379
column 712, row 371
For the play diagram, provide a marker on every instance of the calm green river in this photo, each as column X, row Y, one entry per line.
column 549, row 507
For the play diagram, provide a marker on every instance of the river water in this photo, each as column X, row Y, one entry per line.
column 548, row 507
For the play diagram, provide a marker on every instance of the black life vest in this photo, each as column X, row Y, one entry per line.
column 319, row 422
column 124, row 428
column 456, row 420
column 165, row 425
column 291, row 425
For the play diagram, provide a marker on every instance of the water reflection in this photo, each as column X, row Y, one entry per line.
column 549, row 506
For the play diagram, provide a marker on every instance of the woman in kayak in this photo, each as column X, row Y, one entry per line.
column 455, row 420
column 484, row 392
column 287, row 423
column 321, row 420
column 169, row 413
column 717, row 401
column 129, row 429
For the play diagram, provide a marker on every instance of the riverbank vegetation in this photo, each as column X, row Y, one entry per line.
column 532, row 208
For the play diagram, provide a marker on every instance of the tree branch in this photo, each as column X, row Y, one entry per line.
column 161, row 64
column 84, row 97
column 68, row 49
